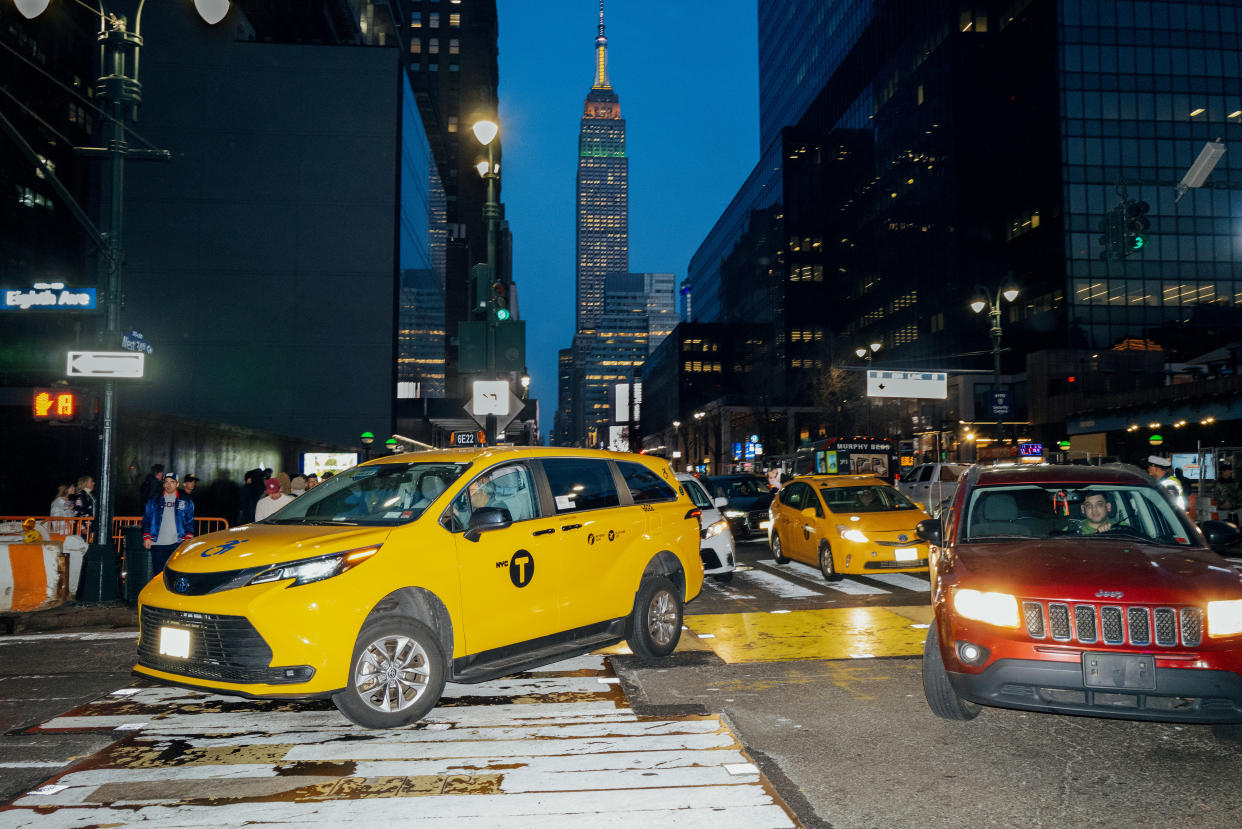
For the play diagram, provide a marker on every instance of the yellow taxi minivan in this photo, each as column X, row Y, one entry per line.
column 846, row 524
column 393, row 577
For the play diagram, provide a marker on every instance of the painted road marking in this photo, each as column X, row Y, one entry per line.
column 824, row 633
column 904, row 580
column 779, row 586
column 558, row 747
column 848, row 585
column 82, row 637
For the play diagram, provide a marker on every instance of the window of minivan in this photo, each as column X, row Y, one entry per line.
column 645, row 486
column 509, row 487
column 580, row 484
column 381, row 495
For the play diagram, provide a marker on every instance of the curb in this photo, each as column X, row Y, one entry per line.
column 70, row 616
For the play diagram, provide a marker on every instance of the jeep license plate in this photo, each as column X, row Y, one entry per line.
column 1119, row 670
column 175, row 642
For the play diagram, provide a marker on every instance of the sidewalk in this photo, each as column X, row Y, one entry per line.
column 71, row 616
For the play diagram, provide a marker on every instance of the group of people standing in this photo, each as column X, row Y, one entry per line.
column 264, row 492
column 73, row 500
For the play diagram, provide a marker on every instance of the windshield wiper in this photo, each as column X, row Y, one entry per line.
column 312, row 522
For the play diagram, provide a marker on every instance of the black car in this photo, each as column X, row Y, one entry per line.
column 749, row 499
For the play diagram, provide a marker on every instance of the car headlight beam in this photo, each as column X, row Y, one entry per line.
column 850, row 534
column 308, row 570
column 715, row 528
column 734, row 513
column 999, row 609
column 1224, row 618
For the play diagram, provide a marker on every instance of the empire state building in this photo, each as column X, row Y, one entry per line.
column 603, row 191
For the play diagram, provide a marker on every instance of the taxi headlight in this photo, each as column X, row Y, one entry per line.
column 309, row 570
column 1000, row 609
column 1224, row 618
column 850, row 534
column 734, row 513
column 715, row 529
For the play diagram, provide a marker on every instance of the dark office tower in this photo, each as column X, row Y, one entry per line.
column 603, row 190
column 450, row 54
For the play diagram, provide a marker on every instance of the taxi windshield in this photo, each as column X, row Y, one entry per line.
column 1050, row 510
column 867, row 498
column 382, row 495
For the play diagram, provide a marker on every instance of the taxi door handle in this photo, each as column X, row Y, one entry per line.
column 568, row 527
column 544, row 532
column 808, row 528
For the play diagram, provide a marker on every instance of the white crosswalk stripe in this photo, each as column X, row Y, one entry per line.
column 904, row 580
column 556, row 747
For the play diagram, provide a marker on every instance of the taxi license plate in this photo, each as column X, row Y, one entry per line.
column 763, row 525
column 907, row 554
column 175, row 642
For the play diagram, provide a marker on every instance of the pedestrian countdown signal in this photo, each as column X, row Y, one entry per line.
column 51, row 405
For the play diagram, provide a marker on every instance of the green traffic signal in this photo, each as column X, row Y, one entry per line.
column 502, row 314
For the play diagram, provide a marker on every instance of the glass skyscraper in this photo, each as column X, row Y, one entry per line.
column 603, row 191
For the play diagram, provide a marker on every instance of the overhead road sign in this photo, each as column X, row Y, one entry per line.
column 106, row 363
column 933, row 385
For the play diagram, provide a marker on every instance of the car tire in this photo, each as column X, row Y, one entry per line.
column 941, row 698
column 655, row 622
column 826, row 564
column 723, row 578
column 396, row 673
column 775, row 544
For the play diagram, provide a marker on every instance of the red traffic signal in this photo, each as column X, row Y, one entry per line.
column 55, row 405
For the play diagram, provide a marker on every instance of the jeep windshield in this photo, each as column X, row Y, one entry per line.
column 373, row 496
column 1085, row 512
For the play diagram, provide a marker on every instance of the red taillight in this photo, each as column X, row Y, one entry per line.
column 695, row 513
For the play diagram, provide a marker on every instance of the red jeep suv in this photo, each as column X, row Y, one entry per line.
column 1079, row 590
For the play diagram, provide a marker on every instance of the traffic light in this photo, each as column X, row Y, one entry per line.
column 1137, row 224
column 500, row 300
column 56, row 405
column 1113, row 234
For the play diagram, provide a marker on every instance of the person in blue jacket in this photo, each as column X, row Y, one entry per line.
column 167, row 520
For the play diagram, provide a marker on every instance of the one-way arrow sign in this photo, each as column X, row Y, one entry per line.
column 105, row 363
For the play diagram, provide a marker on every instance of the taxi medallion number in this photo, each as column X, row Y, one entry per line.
column 175, row 642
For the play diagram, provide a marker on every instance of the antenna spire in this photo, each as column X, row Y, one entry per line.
column 601, row 54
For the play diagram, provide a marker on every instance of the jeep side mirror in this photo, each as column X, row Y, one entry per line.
column 1220, row 535
column 487, row 519
column 930, row 531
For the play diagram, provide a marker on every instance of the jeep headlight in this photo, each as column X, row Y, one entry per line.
column 850, row 534
column 715, row 529
column 309, row 570
column 734, row 513
column 1000, row 609
column 1224, row 618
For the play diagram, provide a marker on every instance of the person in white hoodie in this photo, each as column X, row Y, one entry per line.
column 274, row 500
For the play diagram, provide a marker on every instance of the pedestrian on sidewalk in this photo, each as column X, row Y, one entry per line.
column 62, row 507
column 167, row 521
column 84, row 503
column 150, row 486
column 275, row 500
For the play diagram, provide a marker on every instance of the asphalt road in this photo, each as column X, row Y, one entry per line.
column 818, row 684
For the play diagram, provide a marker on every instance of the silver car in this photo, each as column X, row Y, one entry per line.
column 717, row 539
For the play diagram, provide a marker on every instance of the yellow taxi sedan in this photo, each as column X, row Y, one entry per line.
column 847, row 524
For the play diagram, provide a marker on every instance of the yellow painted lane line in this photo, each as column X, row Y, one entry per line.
column 829, row 633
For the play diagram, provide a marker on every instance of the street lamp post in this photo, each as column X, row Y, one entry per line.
column 991, row 300
column 485, row 132
column 867, row 353
column 119, row 93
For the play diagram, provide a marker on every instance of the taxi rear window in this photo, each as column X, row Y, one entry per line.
column 580, row 484
column 645, row 485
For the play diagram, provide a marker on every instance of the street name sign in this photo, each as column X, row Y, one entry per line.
column 106, row 363
column 933, row 385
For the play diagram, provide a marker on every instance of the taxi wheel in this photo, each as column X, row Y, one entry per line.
column 396, row 674
column 655, row 623
column 941, row 698
column 826, row 564
column 777, row 556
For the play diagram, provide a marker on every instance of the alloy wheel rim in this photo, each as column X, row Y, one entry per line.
column 662, row 618
column 392, row 673
column 825, row 561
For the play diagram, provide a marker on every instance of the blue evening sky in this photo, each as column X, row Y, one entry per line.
column 687, row 76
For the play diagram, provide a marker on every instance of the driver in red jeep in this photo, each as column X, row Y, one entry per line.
column 1097, row 513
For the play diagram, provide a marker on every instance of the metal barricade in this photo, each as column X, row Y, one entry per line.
column 56, row 525
column 202, row 526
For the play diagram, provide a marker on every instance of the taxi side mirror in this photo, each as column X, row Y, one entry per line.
column 487, row 519
column 930, row 531
column 810, row 512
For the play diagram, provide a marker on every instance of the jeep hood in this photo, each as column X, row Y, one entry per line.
column 1097, row 569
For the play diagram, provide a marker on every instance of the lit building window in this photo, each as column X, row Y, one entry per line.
column 454, row 46
column 416, row 47
column 452, row 123
column 416, row 20
column 433, row 45
column 433, row 20
column 454, row 19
